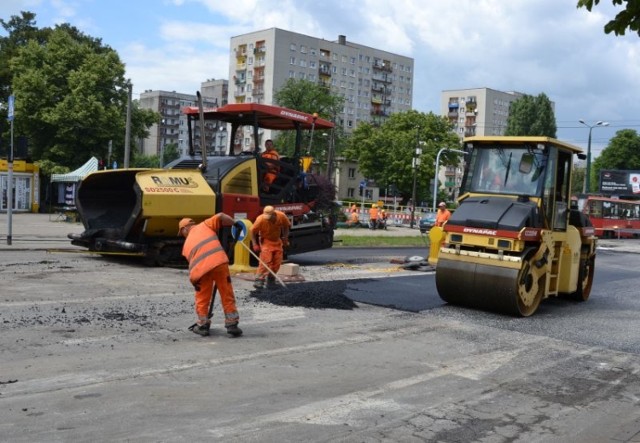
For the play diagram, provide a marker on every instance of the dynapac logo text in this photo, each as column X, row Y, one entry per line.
column 480, row 231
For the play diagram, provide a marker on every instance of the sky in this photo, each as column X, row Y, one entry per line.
column 529, row 46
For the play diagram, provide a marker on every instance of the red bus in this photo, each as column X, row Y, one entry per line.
column 611, row 217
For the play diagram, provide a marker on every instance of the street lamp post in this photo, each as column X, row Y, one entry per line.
column 435, row 181
column 586, row 187
column 415, row 163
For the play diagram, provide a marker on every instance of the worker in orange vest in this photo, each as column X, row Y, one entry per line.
column 269, row 235
column 271, row 156
column 354, row 219
column 443, row 214
column 209, row 266
column 373, row 217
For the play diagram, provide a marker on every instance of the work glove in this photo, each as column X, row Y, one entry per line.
column 256, row 248
column 285, row 242
column 196, row 285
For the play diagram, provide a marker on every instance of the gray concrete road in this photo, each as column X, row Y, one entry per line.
column 97, row 350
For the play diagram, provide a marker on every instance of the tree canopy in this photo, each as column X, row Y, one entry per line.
column 627, row 18
column 70, row 93
column 309, row 97
column 385, row 153
column 530, row 115
column 623, row 152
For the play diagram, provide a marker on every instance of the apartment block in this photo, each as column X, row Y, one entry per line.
column 477, row 111
column 172, row 128
column 374, row 83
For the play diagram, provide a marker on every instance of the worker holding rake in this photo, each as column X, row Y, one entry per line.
column 209, row 271
column 269, row 235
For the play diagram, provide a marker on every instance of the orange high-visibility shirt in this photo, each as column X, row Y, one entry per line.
column 270, row 232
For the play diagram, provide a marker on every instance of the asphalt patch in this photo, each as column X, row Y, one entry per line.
column 314, row 295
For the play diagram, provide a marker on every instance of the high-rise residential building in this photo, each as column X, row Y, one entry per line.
column 373, row 82
column 477, row 111
column 172, row 128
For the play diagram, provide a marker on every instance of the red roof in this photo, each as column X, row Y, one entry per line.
column 268, row 117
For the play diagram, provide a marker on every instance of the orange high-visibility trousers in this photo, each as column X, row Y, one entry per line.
column 273, row 258
column 222, row 279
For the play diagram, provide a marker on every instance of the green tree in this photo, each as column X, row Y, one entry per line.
column 309, row 97
column 623, row 152
column 530, row 115
column 71, row 94
column 628, row 18
column 385, row 153
column 20, row 29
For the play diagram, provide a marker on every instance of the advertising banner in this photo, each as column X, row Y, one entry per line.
column 620, row 182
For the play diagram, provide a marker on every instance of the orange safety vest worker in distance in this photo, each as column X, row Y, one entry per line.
column 373, row 213
column 273, row 169
column 443, row 214
column 209, row 265
column 269, row 234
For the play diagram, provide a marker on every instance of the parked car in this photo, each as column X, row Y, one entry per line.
column 427, row 222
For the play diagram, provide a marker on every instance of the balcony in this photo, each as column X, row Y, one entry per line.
column 382, row 65
column 452, row 114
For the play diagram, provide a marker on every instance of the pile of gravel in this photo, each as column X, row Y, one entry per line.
column 315, row 295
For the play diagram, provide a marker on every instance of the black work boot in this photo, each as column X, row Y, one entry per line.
column 271, row 282
column 234, row 330
column 201, row 330
column 258, row 284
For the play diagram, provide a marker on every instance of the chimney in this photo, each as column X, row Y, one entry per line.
column 342, row 39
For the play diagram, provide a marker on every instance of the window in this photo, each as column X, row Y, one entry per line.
column 292, row 61
column 292, row 74
column 250, row 60
column 303, row 49
column 350, row 192
column 292, row 47
column 303, row 63
column 301, row 75
column 353, row 60
column 351, row 173
column 313, row 51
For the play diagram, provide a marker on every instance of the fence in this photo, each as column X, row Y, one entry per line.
column 401, row 216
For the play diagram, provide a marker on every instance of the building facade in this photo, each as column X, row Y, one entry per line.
column 172, row 129
column 374, row 83
column 475, row 111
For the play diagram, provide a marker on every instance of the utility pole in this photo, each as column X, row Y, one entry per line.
column 415, row 163
column 127, row 131
column 10, row 174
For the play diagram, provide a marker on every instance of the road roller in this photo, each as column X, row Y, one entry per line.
column 515, row 238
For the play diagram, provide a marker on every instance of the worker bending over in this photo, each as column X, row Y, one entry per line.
column 209, row 266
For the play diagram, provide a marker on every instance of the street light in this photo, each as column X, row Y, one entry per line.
column 435, row 181
column 586, row 187
column 415, row 163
